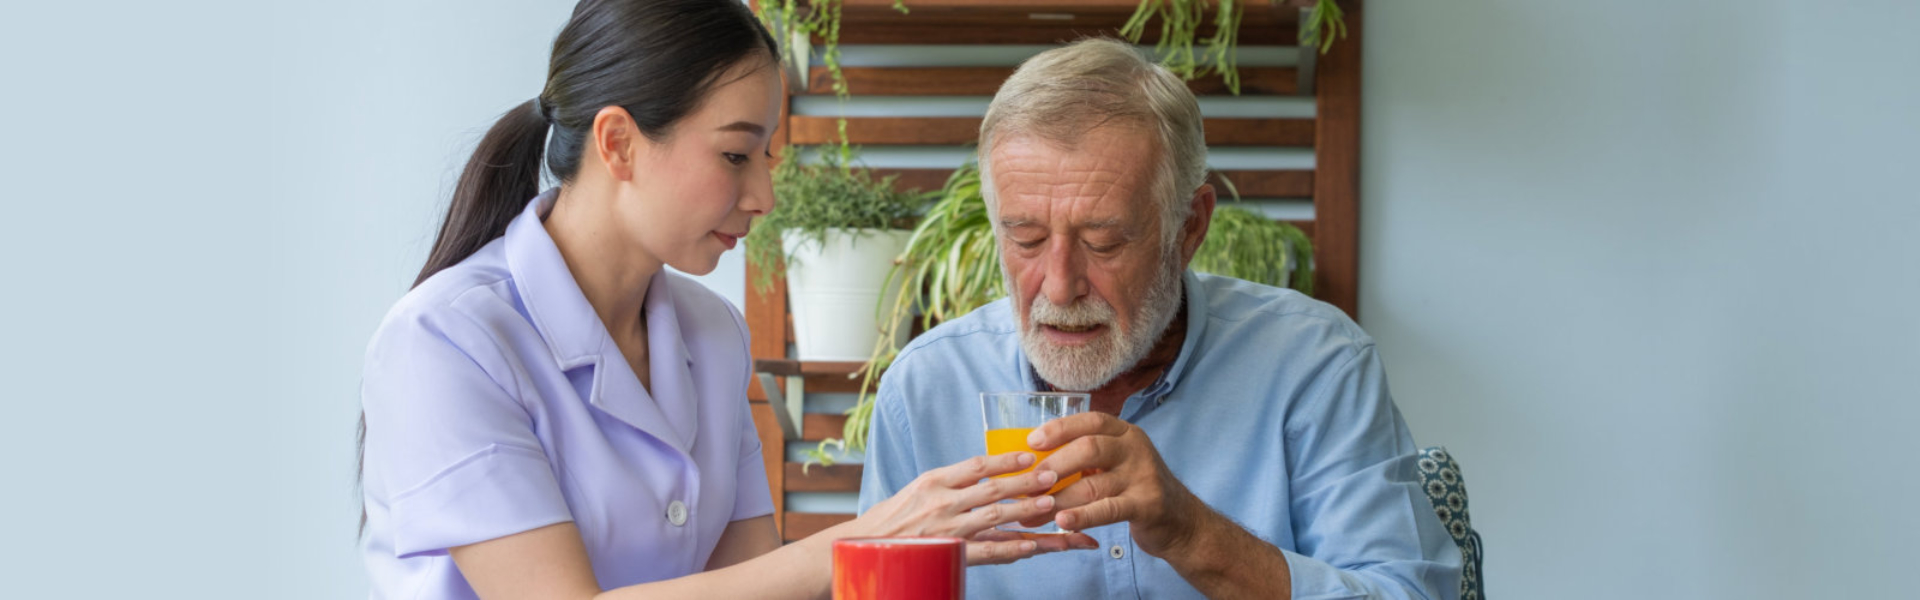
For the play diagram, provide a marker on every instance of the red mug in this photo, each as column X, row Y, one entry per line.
column 899, row 569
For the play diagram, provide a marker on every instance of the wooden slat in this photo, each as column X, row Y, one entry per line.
column 820, row 426
column 954, row 131
column 1015, row 22
column 1336, row 182
column 985, row 81
column 801, row 525
column 840, row 377
column 1267, row 184
column 1260, row 132
column 887, row 130
column 822, row 478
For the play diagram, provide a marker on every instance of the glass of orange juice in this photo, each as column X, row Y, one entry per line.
column 1010, row 416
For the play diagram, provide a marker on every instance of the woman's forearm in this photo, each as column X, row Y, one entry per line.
column 796, row 571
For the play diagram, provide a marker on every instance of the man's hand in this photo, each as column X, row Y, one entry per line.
column 1124, row 481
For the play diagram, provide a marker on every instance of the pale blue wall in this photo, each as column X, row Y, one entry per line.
column 1646, row 266
column 1649, row 267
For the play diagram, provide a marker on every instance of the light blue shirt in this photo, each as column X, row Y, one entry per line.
column 497, row 403
column 1276, row 413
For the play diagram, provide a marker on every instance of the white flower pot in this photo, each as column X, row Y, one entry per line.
column 834, row 291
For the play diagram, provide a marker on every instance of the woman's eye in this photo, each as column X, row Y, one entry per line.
column 736, row 159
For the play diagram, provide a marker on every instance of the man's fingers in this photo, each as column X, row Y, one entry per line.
column 1089, row 454
column 1103, row 512
column 1059, row 432
column 1090, row 489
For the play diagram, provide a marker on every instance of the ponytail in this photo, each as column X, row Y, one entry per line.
column 502, row 176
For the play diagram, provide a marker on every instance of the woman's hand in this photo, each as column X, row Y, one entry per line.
column 952, row 501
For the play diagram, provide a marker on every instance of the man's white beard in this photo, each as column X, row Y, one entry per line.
column 1114, row 351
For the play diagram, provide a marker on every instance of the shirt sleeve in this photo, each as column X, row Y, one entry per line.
column 449, row 439
column 753, row 497
column 1363, row 527
column 752, row 494
column 890, row 463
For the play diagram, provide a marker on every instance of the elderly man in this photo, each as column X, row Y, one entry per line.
column 1241, row 442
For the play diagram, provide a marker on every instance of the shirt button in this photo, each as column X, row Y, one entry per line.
column 1117, row 553
column 677, row 513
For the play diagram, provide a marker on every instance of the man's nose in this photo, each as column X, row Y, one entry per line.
column 1066, row 273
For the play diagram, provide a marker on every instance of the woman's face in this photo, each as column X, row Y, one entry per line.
column 695, row 191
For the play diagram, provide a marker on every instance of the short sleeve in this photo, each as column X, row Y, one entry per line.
column 453, row 448
column 752, row 497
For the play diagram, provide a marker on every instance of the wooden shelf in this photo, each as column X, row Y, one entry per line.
column 1037, row 22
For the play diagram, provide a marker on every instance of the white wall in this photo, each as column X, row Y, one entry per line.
column 1649, row 268
column 1646, row 266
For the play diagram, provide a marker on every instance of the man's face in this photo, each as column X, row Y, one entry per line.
column 1080, row 238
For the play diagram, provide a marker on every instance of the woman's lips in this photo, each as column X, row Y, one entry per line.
column 728, row 240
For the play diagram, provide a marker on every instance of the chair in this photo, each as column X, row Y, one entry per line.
column 1440, row 477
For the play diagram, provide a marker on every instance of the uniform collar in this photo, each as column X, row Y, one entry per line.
column 578, row 340
column 1158, row 393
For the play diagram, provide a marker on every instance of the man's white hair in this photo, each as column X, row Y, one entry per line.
column 1061, row 94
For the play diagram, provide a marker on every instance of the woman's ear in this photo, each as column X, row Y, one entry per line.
column 616, row 141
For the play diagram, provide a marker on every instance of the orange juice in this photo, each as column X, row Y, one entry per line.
column 1014, row 439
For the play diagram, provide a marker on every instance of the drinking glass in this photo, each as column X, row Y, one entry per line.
column 1010, row 416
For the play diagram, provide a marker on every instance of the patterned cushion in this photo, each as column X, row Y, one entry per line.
column 1448, row 491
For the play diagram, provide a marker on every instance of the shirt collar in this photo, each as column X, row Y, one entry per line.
column 1195, row 297
column 577, row 339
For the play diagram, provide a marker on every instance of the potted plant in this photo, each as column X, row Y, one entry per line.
column 951, row 265
column 834, row 234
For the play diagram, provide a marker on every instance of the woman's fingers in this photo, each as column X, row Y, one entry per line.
column 994, row 546
column 966, row 472
column 1057, row 542
column 1000, row 552
column 1002, row 488
column 991, row 515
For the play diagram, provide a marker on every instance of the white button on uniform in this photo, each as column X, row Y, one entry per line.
column 677, row 514
column 1117, row 552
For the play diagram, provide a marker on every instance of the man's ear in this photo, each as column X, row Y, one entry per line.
column 1195, row 230
column 616, row 141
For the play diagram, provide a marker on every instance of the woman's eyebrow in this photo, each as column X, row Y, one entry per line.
column 746, row 126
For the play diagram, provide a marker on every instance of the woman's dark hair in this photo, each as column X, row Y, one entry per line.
column 658, row 59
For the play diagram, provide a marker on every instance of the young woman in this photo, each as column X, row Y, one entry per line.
column 549, row 413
